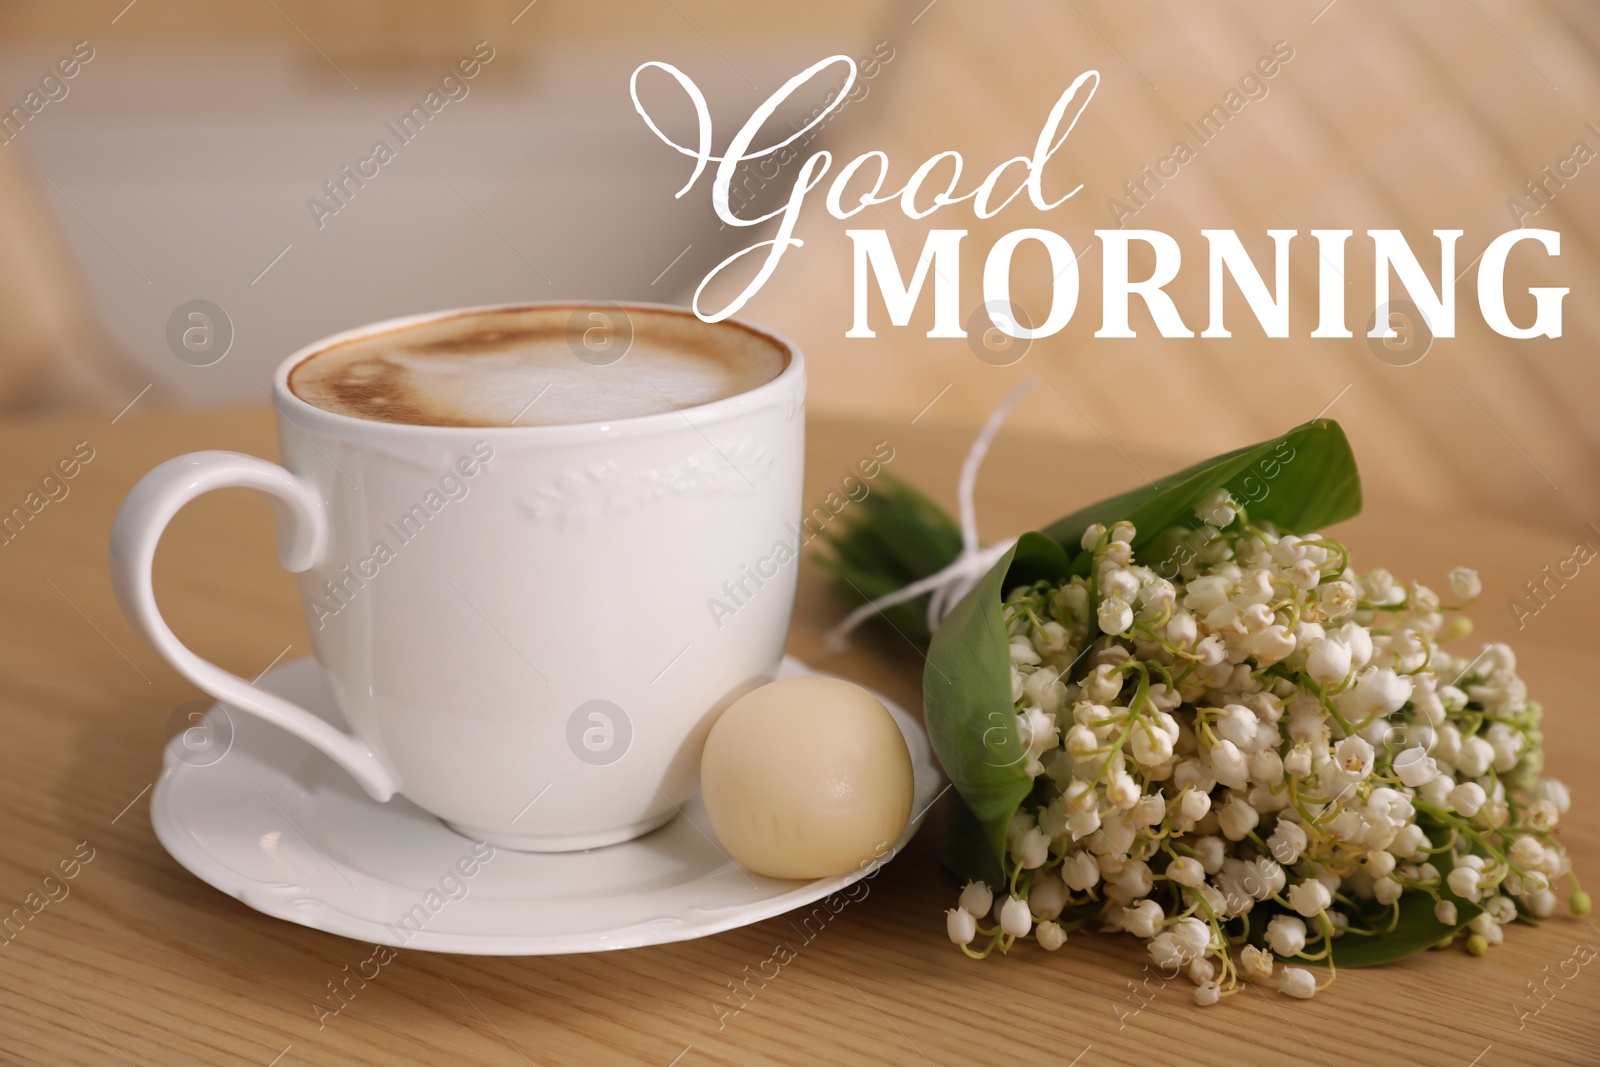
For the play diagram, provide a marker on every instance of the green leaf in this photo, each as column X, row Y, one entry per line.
column 966, row 693
column 967, row 852
column 1416, row 930
column 1036, row 558
column 1299, row 482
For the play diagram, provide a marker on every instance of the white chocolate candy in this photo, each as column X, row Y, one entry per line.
column 806, row 778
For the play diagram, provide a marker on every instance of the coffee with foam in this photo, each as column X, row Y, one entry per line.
column 542, row 365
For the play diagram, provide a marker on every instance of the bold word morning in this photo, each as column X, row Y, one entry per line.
column 935, row 277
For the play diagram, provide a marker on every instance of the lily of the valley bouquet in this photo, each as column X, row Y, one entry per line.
column 1184, row 714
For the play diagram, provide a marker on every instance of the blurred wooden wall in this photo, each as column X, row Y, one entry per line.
column 1417, row 116
column 54, row 350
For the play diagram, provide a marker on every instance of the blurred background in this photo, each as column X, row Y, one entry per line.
column 177, row 163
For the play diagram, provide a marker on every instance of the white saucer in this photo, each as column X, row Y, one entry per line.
column 277, row 825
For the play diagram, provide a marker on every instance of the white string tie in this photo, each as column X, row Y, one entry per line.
column 952, row 583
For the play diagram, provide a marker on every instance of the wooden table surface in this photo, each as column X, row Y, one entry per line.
column 144, row 964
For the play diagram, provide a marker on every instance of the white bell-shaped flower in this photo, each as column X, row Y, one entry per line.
column 961, row 926
column 1286, row 935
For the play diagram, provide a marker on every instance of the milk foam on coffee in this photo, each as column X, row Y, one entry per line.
column 538, row 366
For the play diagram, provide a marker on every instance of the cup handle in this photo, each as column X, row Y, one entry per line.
column 302, row 541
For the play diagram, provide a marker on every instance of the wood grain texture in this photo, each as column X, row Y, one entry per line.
column 143, row 964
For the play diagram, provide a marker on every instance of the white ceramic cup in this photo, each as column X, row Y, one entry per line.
column 534, row 655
